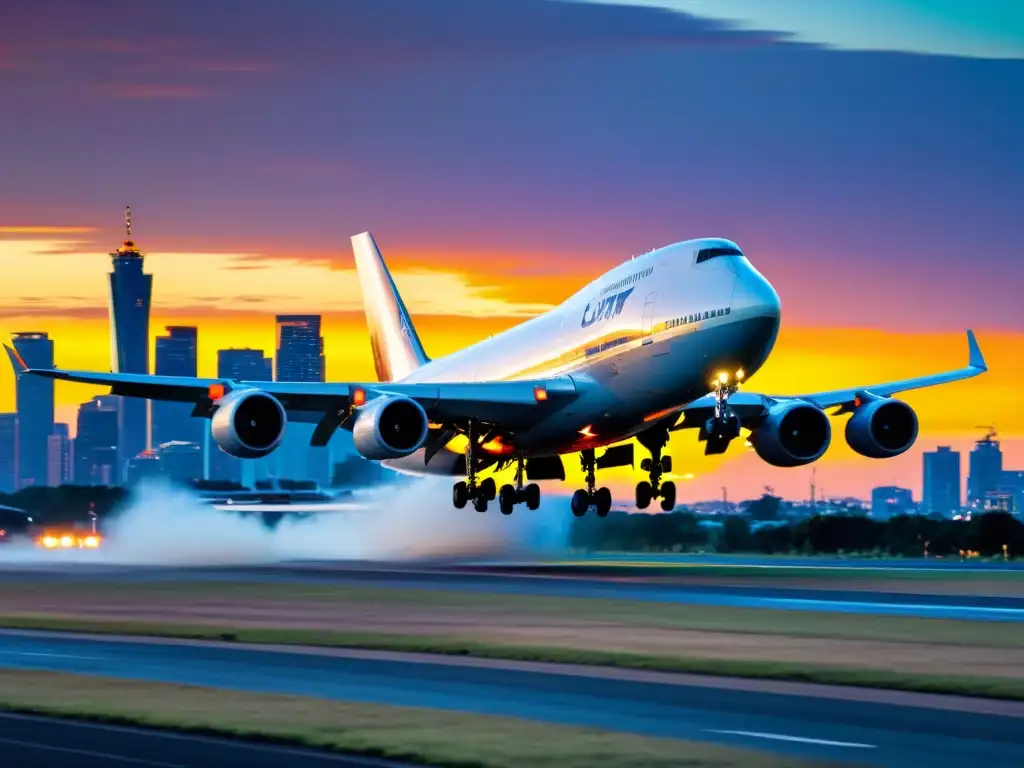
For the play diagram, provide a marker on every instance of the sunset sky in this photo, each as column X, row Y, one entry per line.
column 866, row 154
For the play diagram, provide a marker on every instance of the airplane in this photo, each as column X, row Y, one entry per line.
column 662, row 342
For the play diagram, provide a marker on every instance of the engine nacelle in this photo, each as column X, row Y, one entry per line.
column 882, row 428
column 390, row 427
column 248, row 423
column 793, row 434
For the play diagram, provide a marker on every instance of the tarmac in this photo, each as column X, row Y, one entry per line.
column 833, row 724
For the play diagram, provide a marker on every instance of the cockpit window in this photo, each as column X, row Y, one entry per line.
column 709, row 253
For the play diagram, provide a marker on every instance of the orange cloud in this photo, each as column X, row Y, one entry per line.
column 16, row 229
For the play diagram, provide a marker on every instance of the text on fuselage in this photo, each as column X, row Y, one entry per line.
column 604, row 309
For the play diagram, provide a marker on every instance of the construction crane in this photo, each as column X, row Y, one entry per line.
column 990, row 432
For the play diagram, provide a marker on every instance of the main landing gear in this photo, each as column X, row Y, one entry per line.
column 583, row 499
column 654, row 440
column 510, row 495
column 469, row 490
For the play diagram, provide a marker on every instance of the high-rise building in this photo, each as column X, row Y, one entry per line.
column 890, row 501
column 941, row 487
column 97, row 458
column 35, row 408
column 176, row 355
column 986, row 471
column 131, row 290
column 181, row 461
column 300, row 357
column 8, row 452
column 58, row 458
column 300, row 348
column 240, row 365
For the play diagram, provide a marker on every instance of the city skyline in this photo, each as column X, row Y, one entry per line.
column 498, row 179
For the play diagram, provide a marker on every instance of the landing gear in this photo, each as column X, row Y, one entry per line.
column 510, row 495
column 583, row 499
column 724, row 427
column 467, row 490
column 656, row 466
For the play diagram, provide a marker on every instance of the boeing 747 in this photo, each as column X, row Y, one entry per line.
column 661, row 342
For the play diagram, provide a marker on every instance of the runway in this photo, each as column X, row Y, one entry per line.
column 67, row 744
column 841, row 726
column 581, row 580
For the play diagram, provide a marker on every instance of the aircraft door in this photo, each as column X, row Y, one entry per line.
column 647, row 323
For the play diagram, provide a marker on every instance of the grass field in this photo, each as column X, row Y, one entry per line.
column 424, row 736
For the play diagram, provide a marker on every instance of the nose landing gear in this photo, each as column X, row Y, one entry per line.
column 583, row 499
column 647, row 490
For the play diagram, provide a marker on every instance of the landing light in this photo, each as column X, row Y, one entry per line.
column 66, row 541
column 358, row 397
column 586, row 432
column 688, row 476
column 740, row 374
column 50, row 542
column 723, row 377
column 91, row 542
column 540, row 394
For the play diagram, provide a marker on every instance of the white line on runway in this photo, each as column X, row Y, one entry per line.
column 801, row 739
column 90, row 753
column 48, row 655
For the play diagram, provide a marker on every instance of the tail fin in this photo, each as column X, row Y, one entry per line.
column 397, row 350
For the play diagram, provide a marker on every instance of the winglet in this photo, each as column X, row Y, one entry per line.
column 976, row 359
column 17, row 362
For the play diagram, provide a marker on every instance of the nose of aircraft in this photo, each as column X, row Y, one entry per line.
column 754, row 295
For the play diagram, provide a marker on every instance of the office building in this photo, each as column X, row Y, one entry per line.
column 131, row 291
column 96, row 457
column 181, row 462
column 58, row 459
column 240, row 365
column 986, row 471
column 890, row 501
column 300, row 348
column 8, row 452
column 35, row 409
column 176, row 355
column 300, row 357
column 941, row 487
column 145, row 466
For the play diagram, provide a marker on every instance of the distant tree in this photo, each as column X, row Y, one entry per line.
column 736, row 535
column 767, row 507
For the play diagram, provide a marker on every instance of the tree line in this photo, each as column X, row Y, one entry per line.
column 905, row 536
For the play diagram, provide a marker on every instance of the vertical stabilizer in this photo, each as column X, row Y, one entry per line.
column 397, row 350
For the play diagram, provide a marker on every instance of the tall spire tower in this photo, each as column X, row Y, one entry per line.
column 131, row 291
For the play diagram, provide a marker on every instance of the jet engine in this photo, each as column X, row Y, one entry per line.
column 793, row 434
column 248, row 423
column 390, row 427
column 882, row 428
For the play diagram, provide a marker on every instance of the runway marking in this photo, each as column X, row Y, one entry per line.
column 49, row 655
column 800, row 739
column 90, row 753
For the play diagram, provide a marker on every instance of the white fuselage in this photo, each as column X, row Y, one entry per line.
column 647, row 337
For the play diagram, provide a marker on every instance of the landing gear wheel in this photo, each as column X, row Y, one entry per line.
column 480, row 503
column 645, row 465
column 532, row 493
column 643, row 494
column 666, row 464
column 580, row 503
column 603, row 501
column 460, row 494
column 668, row 496
column 506, row 499
column 488, row 488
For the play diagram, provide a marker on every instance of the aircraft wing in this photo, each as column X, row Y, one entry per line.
column 750, row 405
column 505, row 404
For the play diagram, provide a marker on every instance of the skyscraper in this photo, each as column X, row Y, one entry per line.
column 97, row 459
column 300, row 348
column 176, row 356
column 891, row 501
column 8, row 452
column 986, row 472
column 239, row 365
column 35, row 408
column 58, row 457
column 300, row 357
column 941, row 487
column 131, row 290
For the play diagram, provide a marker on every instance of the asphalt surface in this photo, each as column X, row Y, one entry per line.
column 848, row 726
column 618, row 582
column 55, row 743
